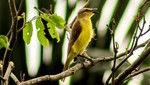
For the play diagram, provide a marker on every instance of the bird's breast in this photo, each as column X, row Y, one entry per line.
column 87, row 31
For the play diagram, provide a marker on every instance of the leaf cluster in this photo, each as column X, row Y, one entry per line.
column 53, row 21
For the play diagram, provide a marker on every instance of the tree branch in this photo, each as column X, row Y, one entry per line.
column 132, row 67
column 14, row 78
column 13, row 36
column 8, row 71
column 133, row 47
column 64, row 74
column 20, row 6
column 137, row 72
column 72, row 70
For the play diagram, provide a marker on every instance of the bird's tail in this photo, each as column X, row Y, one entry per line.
column 70, row 57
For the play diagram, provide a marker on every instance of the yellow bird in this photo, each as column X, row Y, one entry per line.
column 80, row 35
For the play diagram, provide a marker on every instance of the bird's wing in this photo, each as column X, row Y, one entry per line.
column 75, row 31
column 72, row 23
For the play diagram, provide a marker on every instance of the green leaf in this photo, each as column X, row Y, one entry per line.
column 52, row 23
column 46, row 17
column 59, row 21
column 4, row 42
column 40, row 33
column 27, row 32
column 52, row 30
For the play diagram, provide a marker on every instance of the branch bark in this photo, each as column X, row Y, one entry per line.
column 66, row 73
column 8, row 72
column 72, row 70
column 137, row 72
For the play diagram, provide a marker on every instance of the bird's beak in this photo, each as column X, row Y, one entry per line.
column 94, row 10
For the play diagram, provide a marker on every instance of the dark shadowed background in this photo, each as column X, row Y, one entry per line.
column 50, row 59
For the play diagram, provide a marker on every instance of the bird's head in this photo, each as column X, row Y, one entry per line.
column 84, row 12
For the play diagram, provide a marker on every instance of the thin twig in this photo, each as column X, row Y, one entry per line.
column 115, row 48
column 22, row 76
column 20, row 6
column 133, row 47
column 67, row 27
column 19, row 30
column 87, row 3
column 8, row 71
column 148, row 30
column 137, row 72
column 51, row 9
column 132, row 67
column 13, row 36
column 125, row 53
column 14, row 78
column 24, row 22
column 13, row 11
column 43, row 10
column 1, row 78
column 39, row 10
column 140, row 13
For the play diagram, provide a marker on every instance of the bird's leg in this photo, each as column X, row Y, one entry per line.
column 86, row 56
column 79, row 60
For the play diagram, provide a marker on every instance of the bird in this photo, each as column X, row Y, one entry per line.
column 80, row 35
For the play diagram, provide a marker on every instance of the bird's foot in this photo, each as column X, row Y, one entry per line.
column 80, row 60
column 85, row 55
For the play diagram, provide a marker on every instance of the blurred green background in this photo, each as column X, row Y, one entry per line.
column 34, row 60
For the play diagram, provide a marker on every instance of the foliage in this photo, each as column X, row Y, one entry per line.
column 53, row 21
column 4, row 42
column 27, row 32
